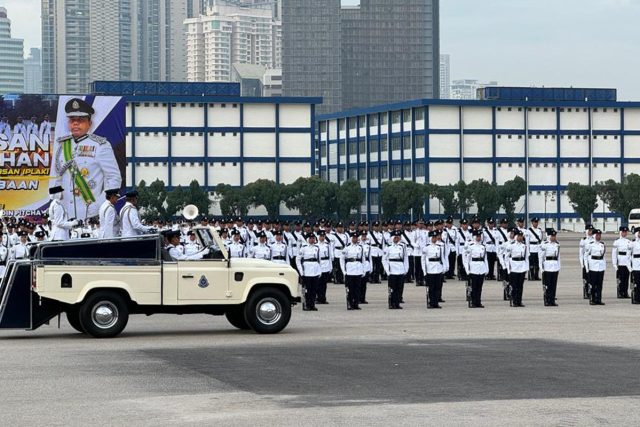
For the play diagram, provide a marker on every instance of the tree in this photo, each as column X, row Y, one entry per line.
column 267, row 193
column 485, row 195
column 312, row 197
column 465, row 200
column 510, row 193
column 446, row 194
column 198, row 196
column 234, row 201
column 402, row 198
column 583, row 199
column 151, row 200
column 621, row 197
column 349, row 197
column 175, row 200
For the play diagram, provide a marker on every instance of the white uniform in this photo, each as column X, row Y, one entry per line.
column 237, row 250
column 635, row 256
column 4, row 257
column 308, row 261
column 549, row 257
column 20, row 128
column 45, row 131
column 594, row 256
column 109, row 221
column 326, row 257
column 130, row 221
column 178, row 254
column 93, row 158
column 621, row 253
column 586, row 241
column 367, row 263
column 395, row 259
column 60, row 224
column 433, row 257
column 534, row 238
column 352, row 260
column 280, row 253
column 19, row 251
column 376, row 240
column 516, row 257
column 192, row 247
column 260, row 251
column 474, row 259
column 32, row 129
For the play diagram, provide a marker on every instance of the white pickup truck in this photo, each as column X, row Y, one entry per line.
column 99, row 283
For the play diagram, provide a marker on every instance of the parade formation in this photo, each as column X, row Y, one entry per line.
column 423, row 253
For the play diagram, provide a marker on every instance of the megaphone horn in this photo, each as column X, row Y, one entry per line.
column 190, row 212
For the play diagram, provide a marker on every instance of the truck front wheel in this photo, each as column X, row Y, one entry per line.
column 104, row 314
column 235, row 316
column 267, row 311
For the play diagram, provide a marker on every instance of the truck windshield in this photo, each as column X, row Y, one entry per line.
column 207, row 238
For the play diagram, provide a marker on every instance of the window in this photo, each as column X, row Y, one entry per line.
column 341, row 124
column 323, row 150
column 352, row 173
column 363, row 146
column 374, row 172
column 384, row 144
column 407, row 170
column 341, row 148
column 362, row 121
column 373, row 120
column 323, row 174
column 352, row 123
column 419, row 112
column 362, row 172
column 373, row 145
column 406, row 115
column 340, row 174
column 374, row 198
column 420, row 169
column 396, row 143
column 420, row 140
column 384, row 119
column 406, row 142
column 323, row 127
column 384, row 172
column 353, row 147
column 395, row 117
column 396, row 171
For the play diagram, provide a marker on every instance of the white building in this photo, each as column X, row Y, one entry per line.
column 272, row 82
column 11, row 58
column 548, row 143
column 467, row 88
column 231, row 34
column 445, row 76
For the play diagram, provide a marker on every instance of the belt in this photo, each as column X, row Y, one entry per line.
column 477, row 259
column 324, row 258
column 279, row 258
column 622, row 253
column 552, row 258
column 435, row 260
column 309, row 260
column 352, row 260
column 598, row 258
column 401, row 260
column 637, row 256
column 517, row 259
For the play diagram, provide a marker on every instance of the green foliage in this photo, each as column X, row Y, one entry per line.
column 234, row 201
column 446, row 194
column 349, row 197
column 621, row 197
column 583, row 199
column 402, row 198
column 196, row 195
column 464, row 196
column 267, row 193
column 485, row 195
column 151, row 200
column 312, row 197
column 510, row 193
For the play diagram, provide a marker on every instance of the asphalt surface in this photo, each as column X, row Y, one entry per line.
column 569, row 365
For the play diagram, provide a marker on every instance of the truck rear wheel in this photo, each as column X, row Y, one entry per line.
column 104, row 314
column 73, row 317
column 235, row 316
column 267, row 311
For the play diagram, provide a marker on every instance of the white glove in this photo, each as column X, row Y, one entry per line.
column 74, row 223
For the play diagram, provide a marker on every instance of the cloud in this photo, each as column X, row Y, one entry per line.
column 25, row 21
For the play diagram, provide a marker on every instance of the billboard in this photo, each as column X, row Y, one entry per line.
column 77, row 142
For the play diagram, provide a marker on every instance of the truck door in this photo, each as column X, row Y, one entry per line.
column 202, row 280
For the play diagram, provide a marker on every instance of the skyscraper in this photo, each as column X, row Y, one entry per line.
column 378, row 52
column 445, row 76
column 311, row 56
column 33, row 72
column 11, row 58
column 85, row 40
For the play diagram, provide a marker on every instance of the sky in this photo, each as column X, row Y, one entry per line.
column 592, row 43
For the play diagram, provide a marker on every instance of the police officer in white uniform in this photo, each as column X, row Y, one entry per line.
column 326, row 266
column 60, row 223
column 45, row 129
column 621, row 261
column 490, row 242
column 84, row 162
column 4, row 257
column 177, row 254
column 595, row 264
column 261, row 250
column 367, row 266
column 376, row 240
column 586, row 241
column 109, row 219
column 395, row 262
column 635, row 268
column 549, row 259
column 279, row 249
column 450, row 237
column 308, row 261
column 192, row 246
column 130, row 218
column 340, row 240
column 20, row 250
column 534, row 238
column 236, row 248
column 32, row 128
column 20, row 128
column 464, row 237
column 476, row 265
column 502, row 236
column 432, row 264
column 352, row 266
column 517, row 263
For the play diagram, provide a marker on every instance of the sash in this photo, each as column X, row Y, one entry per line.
column 493, row 240
column 339, row 240
column 373, row 236
column 78, row 179
column 537, row 237
column 504, row 236
column 404, row 234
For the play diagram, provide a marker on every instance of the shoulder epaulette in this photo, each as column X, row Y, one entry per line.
column 64, row 138
column 99, row 139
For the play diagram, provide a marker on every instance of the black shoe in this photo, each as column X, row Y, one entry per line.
column 441, row 300
column 314, row 309
column 398, row 308
column 357, row 308
column 434, row 306
column 364, row 302
column 592, row 303
column 401, row 301
column 322, row 302
column 600, row 303
column 479, row 306
column 307, row 309
column 553, row 304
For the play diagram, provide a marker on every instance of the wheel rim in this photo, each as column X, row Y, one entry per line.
column 269, row 311
column 105, row 314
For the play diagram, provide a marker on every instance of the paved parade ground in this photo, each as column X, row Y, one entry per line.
column 569, row 365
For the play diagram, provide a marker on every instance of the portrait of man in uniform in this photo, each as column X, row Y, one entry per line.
column 84, row 164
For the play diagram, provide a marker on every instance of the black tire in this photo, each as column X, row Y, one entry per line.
column 73, row 317
column 104, row 314
column 235, row 316
column 267, row 311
